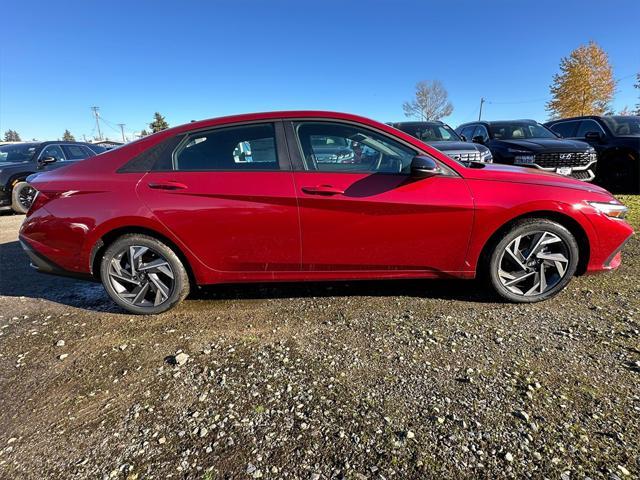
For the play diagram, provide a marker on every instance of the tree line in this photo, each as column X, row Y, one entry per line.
column 158, row 124
column 584, row 85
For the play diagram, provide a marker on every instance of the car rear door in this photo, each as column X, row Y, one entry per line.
column 228, row 194
column 361, row 211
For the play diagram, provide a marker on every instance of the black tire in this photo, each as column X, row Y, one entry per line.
column 117, row 254
column 556, row 274
column 21, row 197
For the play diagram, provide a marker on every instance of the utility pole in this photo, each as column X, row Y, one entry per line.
column 97, row 115
column 121, row 125
column 482, row 100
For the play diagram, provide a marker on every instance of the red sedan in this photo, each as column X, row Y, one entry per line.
column 270, row 197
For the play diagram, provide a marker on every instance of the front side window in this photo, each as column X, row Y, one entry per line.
column 623, row 125
column 587, row 126
column 481, row 131
column 53, row 151
column 468, row 132
column 247, row 147
column 565, row 129
column 336, row 147
column 75, row 152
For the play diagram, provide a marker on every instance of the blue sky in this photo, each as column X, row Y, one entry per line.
column 194, row 60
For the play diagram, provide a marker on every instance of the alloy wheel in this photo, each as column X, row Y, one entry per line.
column 26, row 196
column 141, row 276
column 533, row 263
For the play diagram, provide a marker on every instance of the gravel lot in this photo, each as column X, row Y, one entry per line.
column 364, row 380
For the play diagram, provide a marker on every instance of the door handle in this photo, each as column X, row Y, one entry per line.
column 323, row 190
column 167, row 185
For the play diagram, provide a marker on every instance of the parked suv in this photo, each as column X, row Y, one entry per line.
column 529, row 144
column 617, row 141
column 19, row 160
column 441, row 136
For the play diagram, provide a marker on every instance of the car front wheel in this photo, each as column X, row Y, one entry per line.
column 533, row 261
column 143, row 275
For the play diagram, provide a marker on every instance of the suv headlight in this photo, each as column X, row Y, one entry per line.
column 613, row 210
column 486, row 156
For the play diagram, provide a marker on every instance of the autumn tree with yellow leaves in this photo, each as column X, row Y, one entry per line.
column 585, row 84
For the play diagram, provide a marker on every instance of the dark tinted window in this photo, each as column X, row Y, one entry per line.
column 17, row 152
column 75, row 152
column 431, row 132
column 565, row 129
column 337, row 147
column 481, row 131
column 587, row 126
column 468, row 132
column 53, row 151
column 623, row 125
column 250, row 147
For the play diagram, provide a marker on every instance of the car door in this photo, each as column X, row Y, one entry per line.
column 228, row 194
column 361, row 211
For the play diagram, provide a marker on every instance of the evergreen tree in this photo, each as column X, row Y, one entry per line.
column 67, row 137
column 12, row 136
column 159, row 123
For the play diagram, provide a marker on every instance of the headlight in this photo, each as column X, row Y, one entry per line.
column 486, row 156
column 613, row 210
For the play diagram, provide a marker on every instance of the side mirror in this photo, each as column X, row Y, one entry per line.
column 47, row 160
column 424, row 167
column 478, row 139
column 594, row 136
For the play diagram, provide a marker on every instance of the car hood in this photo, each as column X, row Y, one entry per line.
column 546, row 144
column 509, row 173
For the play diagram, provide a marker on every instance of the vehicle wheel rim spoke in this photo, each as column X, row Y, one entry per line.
column 141, row 276
column 533, row 263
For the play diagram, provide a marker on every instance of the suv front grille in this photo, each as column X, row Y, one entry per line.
column 465, row 156
column 564, row 159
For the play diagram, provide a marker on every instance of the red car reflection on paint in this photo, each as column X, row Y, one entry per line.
column 280, row 197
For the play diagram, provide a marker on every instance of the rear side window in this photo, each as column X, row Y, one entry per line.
column 565, row 129
column 75, row 152
column 249, row 147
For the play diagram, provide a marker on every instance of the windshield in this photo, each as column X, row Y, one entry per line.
column 432, row 132
column 623, row 125
column 17, row 152
column 519, row 130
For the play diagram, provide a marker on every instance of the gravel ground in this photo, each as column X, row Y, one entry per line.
column 374, row 380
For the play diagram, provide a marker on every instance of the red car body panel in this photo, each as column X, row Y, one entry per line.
column 261, row 226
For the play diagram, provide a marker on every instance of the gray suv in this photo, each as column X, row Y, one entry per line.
column 441, row 136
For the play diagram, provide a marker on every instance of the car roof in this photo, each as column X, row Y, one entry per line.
column 582, row 117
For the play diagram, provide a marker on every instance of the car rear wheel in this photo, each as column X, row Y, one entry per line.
column 22, row 197
column 143, row 275
column 533, row 261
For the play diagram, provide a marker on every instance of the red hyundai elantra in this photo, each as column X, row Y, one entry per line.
column 293, row 196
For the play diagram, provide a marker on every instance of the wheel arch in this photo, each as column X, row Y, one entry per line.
column 109, row 237
column 584, row 246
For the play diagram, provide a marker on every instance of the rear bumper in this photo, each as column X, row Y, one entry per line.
column 45, row 265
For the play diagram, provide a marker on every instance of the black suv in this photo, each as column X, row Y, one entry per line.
column 527, row 143
column 19, row 160
column 617, row 141
column 441, row 136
